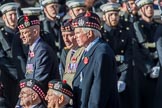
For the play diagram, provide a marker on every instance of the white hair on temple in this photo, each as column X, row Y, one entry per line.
column 96, row 32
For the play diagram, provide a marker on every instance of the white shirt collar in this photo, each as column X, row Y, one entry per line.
column 91, row 44
column 34, row 44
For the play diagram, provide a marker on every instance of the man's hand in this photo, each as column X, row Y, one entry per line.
column 155, row 72
column 121, row 86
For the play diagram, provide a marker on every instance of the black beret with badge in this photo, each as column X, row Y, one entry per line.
column 9, row 6
column 75, row 3
column 87, row 20
column 26, row 21
column 66, row 26
column 34, row 85
column 61, row 86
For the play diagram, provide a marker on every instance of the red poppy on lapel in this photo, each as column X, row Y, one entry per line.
column 86, row 60
column 74, row 59
column 31, row 54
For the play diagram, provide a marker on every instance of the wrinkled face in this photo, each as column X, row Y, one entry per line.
column 26, row 96
column 27, row 36
column 112, row 18
column 133, row 6
column 51, row 98
column 147, row 10
column 69, row 39
column 10, row 18
column 76, row 11
column 81, row 37
column 52, row 10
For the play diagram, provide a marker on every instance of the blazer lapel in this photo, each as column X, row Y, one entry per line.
column 37, row 45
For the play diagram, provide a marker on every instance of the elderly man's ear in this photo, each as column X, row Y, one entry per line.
column 34, row 96
column 90, row 33
column 61, row 99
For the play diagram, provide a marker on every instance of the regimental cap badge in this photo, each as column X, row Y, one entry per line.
column 81, row 22
column 29, row 83
column 57, row 85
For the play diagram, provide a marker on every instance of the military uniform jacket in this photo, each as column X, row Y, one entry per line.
column 42, row 64
column 6, row 57
column 147, row 47
column 94, row 84
column 51, row 34
column 72, row 61
column 119, row 39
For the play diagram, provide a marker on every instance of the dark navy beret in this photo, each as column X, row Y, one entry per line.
column 61, row 86
column 34, row 85
column 66, row 26
column 87, row 20
column 26, row 21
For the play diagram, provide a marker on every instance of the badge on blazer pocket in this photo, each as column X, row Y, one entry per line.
column 29, row 68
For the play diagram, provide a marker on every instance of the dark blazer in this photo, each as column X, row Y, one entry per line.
column 95, row 82
column 44, row 64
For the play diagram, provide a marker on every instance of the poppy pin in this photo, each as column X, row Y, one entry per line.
column 86, row 60
column 88, row 14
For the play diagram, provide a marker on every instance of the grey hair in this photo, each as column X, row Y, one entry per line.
column 67, row 98
column 96, row 32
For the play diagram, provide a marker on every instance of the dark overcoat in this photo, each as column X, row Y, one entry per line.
column 95, row 81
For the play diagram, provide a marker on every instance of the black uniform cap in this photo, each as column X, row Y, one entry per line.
column 61, row 86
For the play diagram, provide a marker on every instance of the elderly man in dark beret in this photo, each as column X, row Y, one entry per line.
column 32, row 94
column 74, row 54
column 42, row 63
column 95, row 81
column 59, row 94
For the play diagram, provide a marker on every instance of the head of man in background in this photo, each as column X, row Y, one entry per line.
column 111, row 14
column 51, row 8
column 129, row 6
column 75, row 7
column 146, row 9
column 9, row 14
column 68, row 34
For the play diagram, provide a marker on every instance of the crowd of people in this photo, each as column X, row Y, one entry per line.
column 49, row 60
